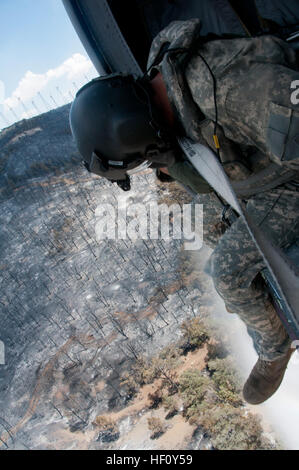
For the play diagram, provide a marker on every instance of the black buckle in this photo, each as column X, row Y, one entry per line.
column 125, row 185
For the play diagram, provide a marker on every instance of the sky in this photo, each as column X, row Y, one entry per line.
column 39, row 51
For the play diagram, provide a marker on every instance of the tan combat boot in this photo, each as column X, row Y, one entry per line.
column 265, row 378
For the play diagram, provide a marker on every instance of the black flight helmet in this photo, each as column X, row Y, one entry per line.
column 116, row 131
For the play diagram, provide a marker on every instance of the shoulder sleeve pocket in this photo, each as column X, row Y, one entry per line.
column 283, row 134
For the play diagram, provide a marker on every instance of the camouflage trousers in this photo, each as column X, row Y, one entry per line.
column 236, row 261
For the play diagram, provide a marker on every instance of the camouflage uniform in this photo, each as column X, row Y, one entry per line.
column 253, row 77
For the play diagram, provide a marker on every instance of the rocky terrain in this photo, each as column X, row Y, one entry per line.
column 77, row 311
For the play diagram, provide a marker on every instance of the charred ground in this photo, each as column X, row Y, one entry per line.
column 77, row 312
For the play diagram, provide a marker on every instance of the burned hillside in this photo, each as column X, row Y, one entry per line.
column 77, row 311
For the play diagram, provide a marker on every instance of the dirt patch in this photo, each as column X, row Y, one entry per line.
column 178, row 431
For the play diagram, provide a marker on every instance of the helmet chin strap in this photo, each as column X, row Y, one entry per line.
column 125, row 184
column 149, row 90
column 155, row 160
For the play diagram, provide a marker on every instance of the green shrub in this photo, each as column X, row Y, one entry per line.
column 226, row 380
column 157, row 427
column 161, row 367
column 193, row 387
column 195, row 334
column 216, row 350
column 230, row 429
column 171, row 405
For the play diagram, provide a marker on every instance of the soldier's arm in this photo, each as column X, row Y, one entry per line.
column 183, row 172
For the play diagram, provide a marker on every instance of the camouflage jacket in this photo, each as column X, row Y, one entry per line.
column 253, row 89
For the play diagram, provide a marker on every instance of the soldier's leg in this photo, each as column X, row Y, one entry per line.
column 213, row 228
column 236, row 262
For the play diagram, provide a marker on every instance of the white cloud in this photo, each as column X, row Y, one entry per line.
column 27, row 88
column 75, row 67
column 2, row 92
